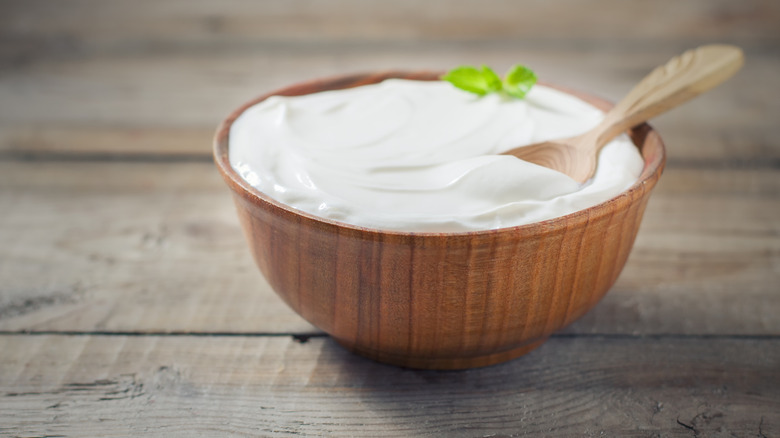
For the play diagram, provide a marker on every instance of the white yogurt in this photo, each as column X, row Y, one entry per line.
column 422, row 156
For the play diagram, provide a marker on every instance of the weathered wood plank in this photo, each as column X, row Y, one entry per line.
column 171, row 103
column 47, row 140
column 156, row 247
column 274, row 386
column 78, row 26
column 78, row 250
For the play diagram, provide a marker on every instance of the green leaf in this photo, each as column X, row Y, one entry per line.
column 479, row 81
column 519, row 80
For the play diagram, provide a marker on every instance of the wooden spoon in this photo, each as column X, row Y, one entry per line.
column 666, row 87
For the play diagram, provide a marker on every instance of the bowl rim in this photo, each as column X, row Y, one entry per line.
column 653, row 167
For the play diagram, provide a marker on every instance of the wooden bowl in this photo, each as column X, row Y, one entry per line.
column 439, row 300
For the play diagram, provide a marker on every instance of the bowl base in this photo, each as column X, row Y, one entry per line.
column 438, row 363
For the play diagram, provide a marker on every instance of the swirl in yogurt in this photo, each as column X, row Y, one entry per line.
column 422, row 156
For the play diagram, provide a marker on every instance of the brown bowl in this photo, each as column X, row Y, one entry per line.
column 439, row 300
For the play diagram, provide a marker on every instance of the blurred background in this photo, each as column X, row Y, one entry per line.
column 156, row 76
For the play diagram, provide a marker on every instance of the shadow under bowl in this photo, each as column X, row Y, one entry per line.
column 439, row 300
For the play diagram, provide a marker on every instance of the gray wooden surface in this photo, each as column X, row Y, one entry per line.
column 129, row 304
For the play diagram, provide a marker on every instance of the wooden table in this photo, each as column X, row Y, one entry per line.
column 129, row 304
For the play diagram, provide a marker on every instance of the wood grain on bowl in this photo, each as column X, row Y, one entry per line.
column 439, row 300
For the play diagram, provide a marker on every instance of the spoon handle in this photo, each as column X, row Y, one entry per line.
column 679, row 80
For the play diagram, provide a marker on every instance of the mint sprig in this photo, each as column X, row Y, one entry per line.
column 478, row 81
column 517, row 81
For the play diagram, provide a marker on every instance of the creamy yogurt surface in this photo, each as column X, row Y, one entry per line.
column 422, row 156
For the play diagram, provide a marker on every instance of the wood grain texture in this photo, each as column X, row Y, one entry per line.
column 260, row 387
column 160, row 250
column 82, row 255
column 80, row 26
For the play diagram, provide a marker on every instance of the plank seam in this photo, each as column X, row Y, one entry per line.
column 772, row 163
column 304, row 337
